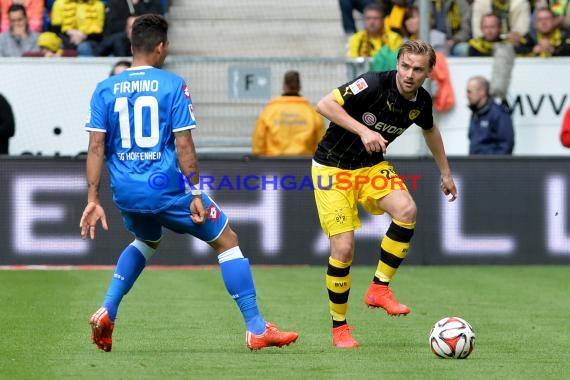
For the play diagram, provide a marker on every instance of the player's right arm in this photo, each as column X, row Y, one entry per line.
column 330, row 108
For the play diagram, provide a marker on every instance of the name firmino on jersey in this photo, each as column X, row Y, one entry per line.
column 136, row 86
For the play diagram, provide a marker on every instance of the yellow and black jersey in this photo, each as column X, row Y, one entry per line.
column 558, row 39
column 374, row 100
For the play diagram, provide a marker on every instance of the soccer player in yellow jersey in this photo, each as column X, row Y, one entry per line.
column 367, row 114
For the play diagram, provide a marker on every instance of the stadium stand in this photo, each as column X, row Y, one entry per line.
column 294, row 28
column 244, row 34
column 247, row 35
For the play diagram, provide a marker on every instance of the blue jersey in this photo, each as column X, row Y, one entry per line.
column 139, row 110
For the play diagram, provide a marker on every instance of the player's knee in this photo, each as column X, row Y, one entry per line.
column 231, row 237
column 406, row 212
column 152, row 244
column 227, row 240
column 146, row 247
column 342, row 249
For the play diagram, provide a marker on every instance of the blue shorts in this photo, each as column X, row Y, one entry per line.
column 148, row 226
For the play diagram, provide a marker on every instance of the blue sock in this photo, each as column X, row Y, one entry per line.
column 239, row 283
column 129, row 267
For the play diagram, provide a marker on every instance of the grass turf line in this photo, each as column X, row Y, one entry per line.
column 182, row 325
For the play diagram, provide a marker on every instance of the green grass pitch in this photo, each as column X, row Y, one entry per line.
column 181, row 324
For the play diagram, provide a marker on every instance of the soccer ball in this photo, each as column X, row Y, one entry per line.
column 452, row 337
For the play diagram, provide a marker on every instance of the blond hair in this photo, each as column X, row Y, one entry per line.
column 418, row 47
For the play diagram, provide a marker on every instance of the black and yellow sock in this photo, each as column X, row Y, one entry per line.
column 338, row 286
column 393, row 250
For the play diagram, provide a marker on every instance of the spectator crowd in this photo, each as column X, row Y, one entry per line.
column 457, row 28
column 502, row 29
column 85, row 28
column 534, row 28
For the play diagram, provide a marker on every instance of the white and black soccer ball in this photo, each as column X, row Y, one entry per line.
column 452, row 338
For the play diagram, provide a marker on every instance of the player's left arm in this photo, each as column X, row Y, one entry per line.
column 188, row 164
column 434, row 142
column 94, row 212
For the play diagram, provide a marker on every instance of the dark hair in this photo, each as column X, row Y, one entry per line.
column 373, row 7
column 410, row 12
column 17, row 8
column 126, row 64
column 292, row 81
column 148, row 31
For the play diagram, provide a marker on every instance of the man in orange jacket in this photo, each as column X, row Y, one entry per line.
column 288, row 125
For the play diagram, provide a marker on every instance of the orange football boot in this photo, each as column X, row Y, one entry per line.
column 270, row 337
column 381, row 296
column 343, row 338
column 102, row 329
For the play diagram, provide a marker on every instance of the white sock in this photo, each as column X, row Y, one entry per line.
column 146, row 250
column 230, row 254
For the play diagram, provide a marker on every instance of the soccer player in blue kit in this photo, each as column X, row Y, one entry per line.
column 140, row 125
